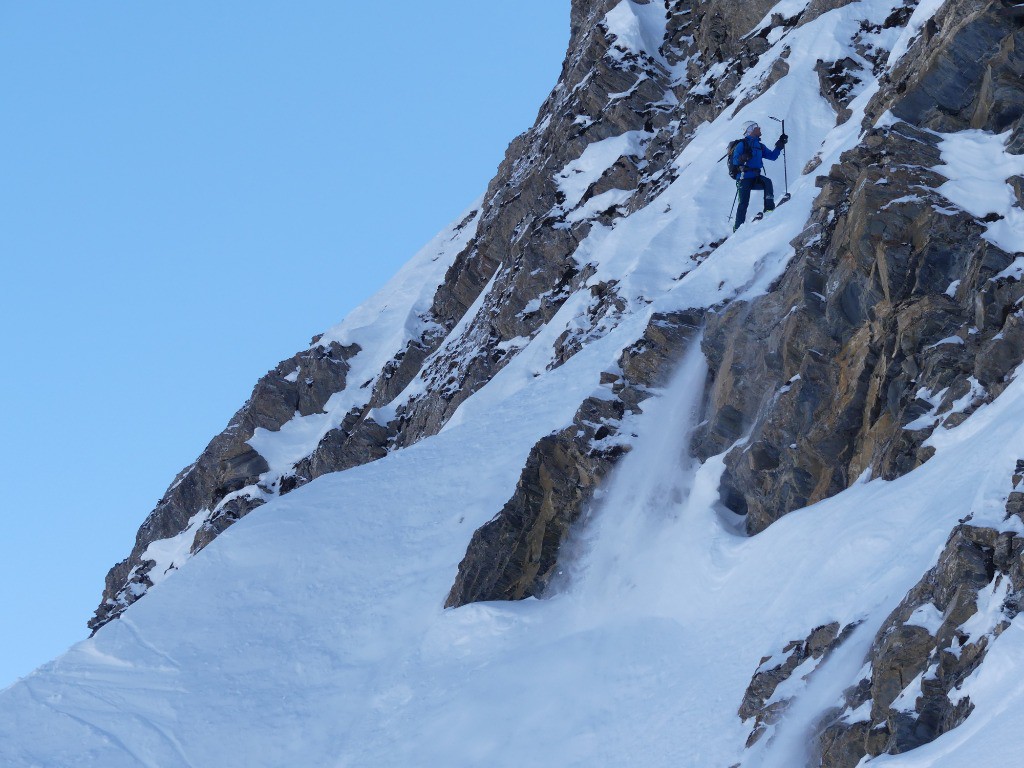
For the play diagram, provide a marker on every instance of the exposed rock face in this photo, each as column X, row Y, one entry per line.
column 889, row 322
column 506, row 556
column 301, row 384
column 927, row 648
column 890, row 303
column 761, row 702
column 515, row 555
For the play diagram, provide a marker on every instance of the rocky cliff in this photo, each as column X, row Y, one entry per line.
column 892, row 310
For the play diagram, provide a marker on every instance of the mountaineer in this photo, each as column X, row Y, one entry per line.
column 746, row 165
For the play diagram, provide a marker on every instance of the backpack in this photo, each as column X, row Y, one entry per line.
column 734, row 170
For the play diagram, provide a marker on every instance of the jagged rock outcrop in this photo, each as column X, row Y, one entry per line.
column 890, row 310
column 697, row 34
column 527, row 235
column 301, row 384
column 929, row 646
column 514, row 556
column 765, row 700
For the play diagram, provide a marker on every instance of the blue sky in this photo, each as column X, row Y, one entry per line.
column 188, row 193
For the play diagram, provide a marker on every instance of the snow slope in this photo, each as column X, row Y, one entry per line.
column 325, row 643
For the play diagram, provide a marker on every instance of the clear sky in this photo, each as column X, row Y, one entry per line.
column 189, row 191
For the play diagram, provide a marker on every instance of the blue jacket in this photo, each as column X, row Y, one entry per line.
column 757, row 151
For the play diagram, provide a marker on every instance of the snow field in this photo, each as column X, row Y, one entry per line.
column 327, row 638
column 309, row 618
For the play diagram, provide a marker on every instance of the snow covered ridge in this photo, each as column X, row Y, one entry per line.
column 591, row 390
column 289, row 413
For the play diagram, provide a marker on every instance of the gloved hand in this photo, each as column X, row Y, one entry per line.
column 782, row 141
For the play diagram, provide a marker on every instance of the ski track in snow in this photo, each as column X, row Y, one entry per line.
column 312, row 632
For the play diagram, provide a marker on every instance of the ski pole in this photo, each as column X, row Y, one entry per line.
column 734, row 199
column 785, row 169
column 785, row 163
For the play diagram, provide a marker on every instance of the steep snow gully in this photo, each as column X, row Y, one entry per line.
column 295, row 615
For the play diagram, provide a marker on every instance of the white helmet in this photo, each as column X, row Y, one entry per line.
column 749, row 127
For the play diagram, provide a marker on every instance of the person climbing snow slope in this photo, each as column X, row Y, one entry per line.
column 749, row 155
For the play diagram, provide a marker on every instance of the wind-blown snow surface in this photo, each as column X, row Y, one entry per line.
column 324, row 641
column 312, row 632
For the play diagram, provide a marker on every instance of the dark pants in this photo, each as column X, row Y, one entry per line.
column 744, row 186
